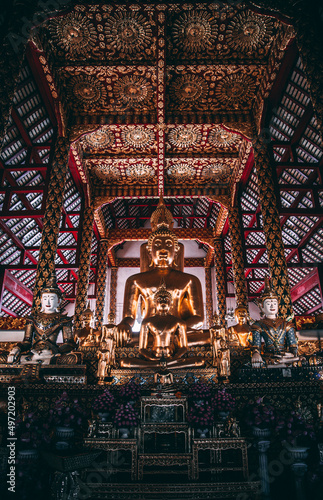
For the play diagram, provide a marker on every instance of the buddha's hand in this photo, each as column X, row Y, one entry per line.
column 124, row 334
column 256, row 360
column 13, row 355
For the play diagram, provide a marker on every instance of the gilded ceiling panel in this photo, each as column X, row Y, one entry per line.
column 100, row 89
column 201, row 170
column 212, row 87
column 103, row 31
column 120, row 171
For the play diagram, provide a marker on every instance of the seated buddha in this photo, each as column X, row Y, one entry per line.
column 241, row 332
column 41, row 332
column 168, row 335
column 184, row 290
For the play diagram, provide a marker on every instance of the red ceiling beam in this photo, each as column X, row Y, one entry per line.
column 305, row 285
column 17, row 242
column 17, row 288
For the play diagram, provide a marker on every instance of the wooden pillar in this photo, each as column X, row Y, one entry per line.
column 85, row 246
column 220, row 279
column 240, row 288
column 113, row 290
column 52, row 217
column 101, row 281
column 272, row 229
column 209, row 298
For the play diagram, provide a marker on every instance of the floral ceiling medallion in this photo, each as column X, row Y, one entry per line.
column 189, row 89
column 249, row 31
column 195, row 31
column 128, row 32
column 106, row 171
column 140, row 172
column 133, row 91
column 236, row 90
column 184, row 137
column 138, row 137
column 216, row 172
column 99, row 139
column 74, row 33
column 181, row 172
column 87, row 91
column 221, row 137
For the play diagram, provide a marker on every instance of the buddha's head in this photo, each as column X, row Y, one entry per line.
column 51, row 296
column 162, row 300
column 111, row 318
column 269, row 301
column 241, row 314
column 87, row 317
column 162, row 243
column 162, row 246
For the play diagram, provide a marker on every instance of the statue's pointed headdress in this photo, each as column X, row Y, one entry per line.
column 268, row 293
column 87, row 313
column 52, row 287
column 161, row 216
column 162, row 292
column 162, row 224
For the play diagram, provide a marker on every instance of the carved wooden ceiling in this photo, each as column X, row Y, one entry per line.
column 158, row 98
column 161, row 98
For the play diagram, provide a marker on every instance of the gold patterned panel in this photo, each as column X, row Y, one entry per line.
column 52, row 217
column 101, row 281
column 240, row 286
column 84, row 265
column 272, row 228
column 220, row 279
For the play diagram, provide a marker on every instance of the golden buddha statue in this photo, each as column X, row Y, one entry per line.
column 169, row 339
column 241, row 332
column 87, row 336
column 171, row 301
column 185, row 289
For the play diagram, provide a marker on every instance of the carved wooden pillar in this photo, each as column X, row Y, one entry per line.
column 272, row 229
column 101, row 281
column 113, row 290
column 209, row 298
column 52, row 217
column 240, row 288
column 220, row 279
column 84, row 265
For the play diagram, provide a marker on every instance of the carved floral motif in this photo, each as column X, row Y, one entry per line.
column 195, row 31
column 220, row 137
column 140, row 172
column 185, row 136
column 181, row 172
column 86, row 91
column 128, row 32
column 236, row 90
column 249, row 31
column 133, row 91
column 99, row 139
column 189, row 89
column 74, row 33
column 138, row 137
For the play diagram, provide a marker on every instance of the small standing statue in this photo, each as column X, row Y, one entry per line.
column 87, row 336
column 110, row 329
column 220, row 348
column 241, row 332
column 277, row 333
column 106, row 352
column 42, row 329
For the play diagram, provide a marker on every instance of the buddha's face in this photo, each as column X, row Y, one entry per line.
column 270, row 308
column 163, row 304
column 241, row 316
column 163, row 251
column 49, row 302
